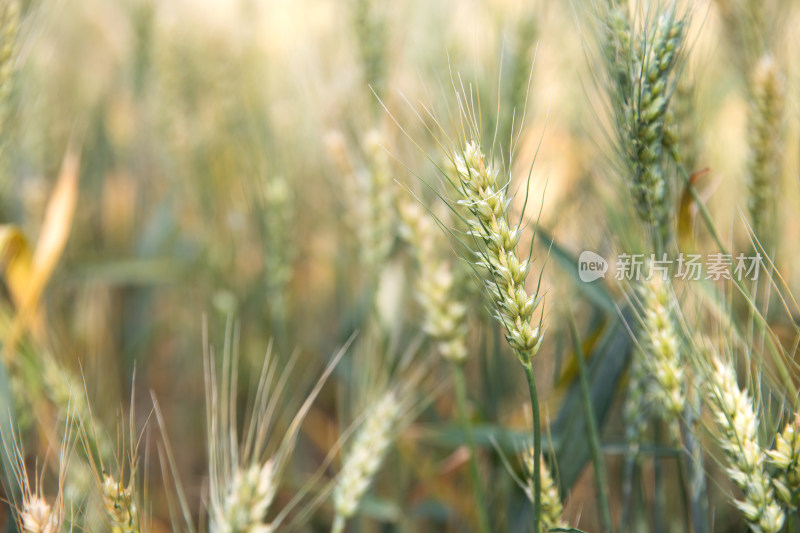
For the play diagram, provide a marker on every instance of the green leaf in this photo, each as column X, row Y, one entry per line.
column 606, row 366
column 596, row 291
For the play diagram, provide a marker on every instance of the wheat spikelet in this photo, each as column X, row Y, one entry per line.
column 764, row 166
column 365, row 456
column 9, row 28
column 785, row 457
column 445, row 315
column 552, row 509
column 736, row 420
column 661, row 355
column 645, row 116
column 248, row 498
column 485, row 202
column 120, row 506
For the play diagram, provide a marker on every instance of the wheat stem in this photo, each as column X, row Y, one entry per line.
column 537, row 446
column 592, row 430
column 474, row 472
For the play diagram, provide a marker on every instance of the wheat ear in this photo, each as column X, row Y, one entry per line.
column 735, row 417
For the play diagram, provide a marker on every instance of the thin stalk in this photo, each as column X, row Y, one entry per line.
column 591, row 429
column 461, row 403
column 338, row 524
column 696, row 472
column 780, row 364
column 537, row 445
column 629, row 469
column 658, row 482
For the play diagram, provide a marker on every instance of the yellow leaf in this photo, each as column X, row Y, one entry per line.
column 49, row 247
column 16, row 259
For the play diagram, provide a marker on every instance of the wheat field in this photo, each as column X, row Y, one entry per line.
column 422, row 266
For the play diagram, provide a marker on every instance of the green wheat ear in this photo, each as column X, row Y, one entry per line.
column 661, row 349
column 444, row 314
column 785, row 457
column 641, row 65
column 9, row 28
column 737, row 423
column 765, row 133
column 484, row 201
column 552, row 509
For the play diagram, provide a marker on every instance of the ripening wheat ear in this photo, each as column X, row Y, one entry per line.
column 365, row 456
column 481, row 199
column 736, row 422
column 660, row 349
column 121, row 503
column 35, row 513
column 368, row 196
column 280, row 246
column 785, row 458
column 9, row 28
column 445, row 315
column 378, row 229
column 766, row 136
column 552, row 509
column 641, row 64
column 386, row 404
column 244, row 475
column 494, row 237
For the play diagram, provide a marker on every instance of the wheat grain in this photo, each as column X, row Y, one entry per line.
column 785, row 457
column 120, row 506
